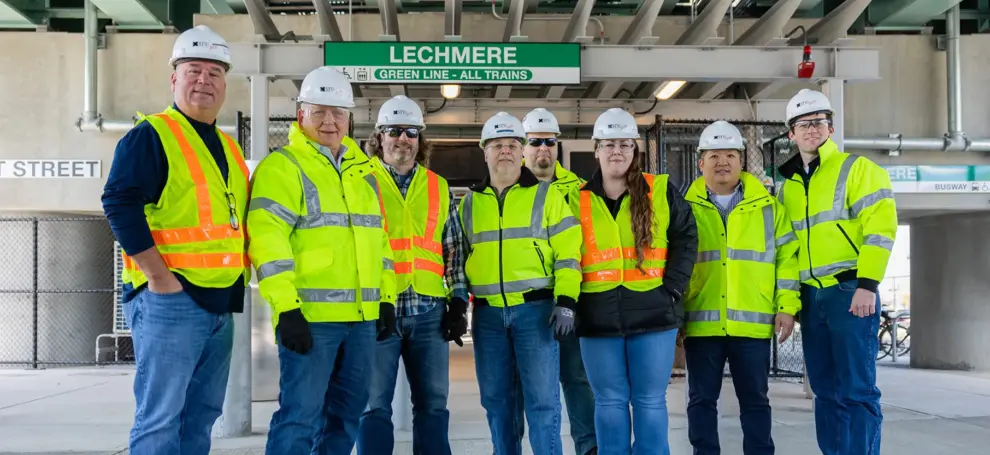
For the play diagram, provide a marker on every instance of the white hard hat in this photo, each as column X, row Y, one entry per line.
column 540, row 120
column 400, row 110
column 200, row 43
column 502, row 125
column 806, row 102
column 615, row 123
column 721, row 135
column 327, row 87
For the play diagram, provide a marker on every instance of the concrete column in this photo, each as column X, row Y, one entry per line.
column 949, row 288
column 834, row 89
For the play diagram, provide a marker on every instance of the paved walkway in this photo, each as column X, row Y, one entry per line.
column 89, row 410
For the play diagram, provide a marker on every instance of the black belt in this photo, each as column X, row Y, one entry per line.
column 531, row 296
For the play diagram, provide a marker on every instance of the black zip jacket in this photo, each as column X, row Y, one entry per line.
column 621, row 311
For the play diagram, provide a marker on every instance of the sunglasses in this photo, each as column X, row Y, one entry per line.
column 396, row 131
column 540, row 141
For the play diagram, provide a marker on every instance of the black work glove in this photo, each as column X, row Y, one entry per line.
column 386, row 320
column 293, row 329
column 454, row 322
column 562, row 319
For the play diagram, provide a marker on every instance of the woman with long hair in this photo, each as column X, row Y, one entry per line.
column 640, row 245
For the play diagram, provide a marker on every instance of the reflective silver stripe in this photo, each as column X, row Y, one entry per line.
column 879, row 240
column 278, row 210
column 710, row 255
column 323, row 220
column 338, row 295
column 275, row 267
column 567, row 264
column 752, row 317
column 311, row 196
column 513, row 286
column 370, row 221
column 870, row 199
column 838, row 211
column 827, row 270
column 535, row 229
column 788, row 285
column 703, row 316
column 787, row 238
column 388, row 264
column 370, row 178
column 768, row 255
column 315, row 217
column 563, row 225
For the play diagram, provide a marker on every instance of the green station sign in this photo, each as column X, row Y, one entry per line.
column 373, row 62
column 939, row 178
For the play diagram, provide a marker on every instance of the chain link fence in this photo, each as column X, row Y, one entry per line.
column 674, row 144
column 58, row 290
column 278, row 132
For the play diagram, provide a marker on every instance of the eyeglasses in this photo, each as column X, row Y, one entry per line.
column 334, row 114
column 395, row 131
column 540, row 141
column 512, row 147
column 233, row 211
column 624, row 146
column 805, row 125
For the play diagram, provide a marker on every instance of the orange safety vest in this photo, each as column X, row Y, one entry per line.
column 608, row 253
column 202, row 237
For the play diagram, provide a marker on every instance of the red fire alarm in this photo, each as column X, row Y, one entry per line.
column 807, row 67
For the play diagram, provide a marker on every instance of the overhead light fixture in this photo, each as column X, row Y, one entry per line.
column 669, row 89
column 450, row 91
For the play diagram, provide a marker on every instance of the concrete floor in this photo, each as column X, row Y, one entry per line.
column 89, row 410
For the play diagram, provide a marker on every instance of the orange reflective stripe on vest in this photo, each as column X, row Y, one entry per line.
column 425, row 242
column 207, row 230
column 593, row 255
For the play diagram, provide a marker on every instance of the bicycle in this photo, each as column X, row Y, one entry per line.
column 885, row 334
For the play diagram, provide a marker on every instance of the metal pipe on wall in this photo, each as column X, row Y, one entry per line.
column 954, row 74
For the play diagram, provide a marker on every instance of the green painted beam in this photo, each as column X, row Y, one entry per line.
column 217, row 7
column 135, row 14
column 908, row 12
column 21, row 13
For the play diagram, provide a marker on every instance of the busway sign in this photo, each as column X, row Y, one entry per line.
column 374, row 62
column 939, row 178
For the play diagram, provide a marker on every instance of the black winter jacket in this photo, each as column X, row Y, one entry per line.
column 621, row 311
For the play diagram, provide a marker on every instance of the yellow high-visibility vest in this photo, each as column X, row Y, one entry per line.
column 316, row 234
column 566, row 181
column 415, row 225
column 746, row 271
column 197, row 224
column 845, row 219
column 608, row 253
column 524, row 241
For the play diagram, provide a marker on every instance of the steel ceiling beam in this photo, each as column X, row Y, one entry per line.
column 452, row 10
column 909, row 12
column 640, row 31
column 835, row 25
column 135, row 14
column 265, row 26
column 22, row 13
column 764, row 32
column 576, row 27
column 218, row 7
column 608, row 63
column 388, row 11
column 513, row 32
column 703, row 27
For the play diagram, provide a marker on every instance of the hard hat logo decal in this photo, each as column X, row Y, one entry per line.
column 503, row 127
column 722, row 137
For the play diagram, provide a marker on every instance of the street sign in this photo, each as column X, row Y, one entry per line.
column 389, row 62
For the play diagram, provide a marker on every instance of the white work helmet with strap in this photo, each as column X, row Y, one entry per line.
column 721, row 135
column 540, row 120
column 326, row 86
column 200, row 43
column 806, row 102
column 615, row 123
column 502, row 125
column 400, row 110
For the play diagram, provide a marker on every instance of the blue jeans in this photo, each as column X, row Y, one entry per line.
column 749, row 363
column 183, row 359
column 577, row 394
column 427, row 358
column 634, row 370
column 840, row 352
column 338, row 368
column 518, row 340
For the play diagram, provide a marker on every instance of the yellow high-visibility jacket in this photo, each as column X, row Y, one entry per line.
column 316, row 234
column 844, row 216
column 524, row 240
column 747, row 268
column 415, row 225
column 565, row 180
column 198, row 224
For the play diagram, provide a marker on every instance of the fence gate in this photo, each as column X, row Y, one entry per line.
column 674, row 143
